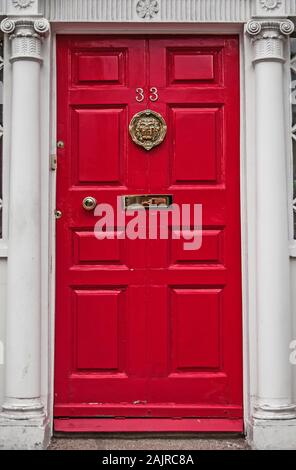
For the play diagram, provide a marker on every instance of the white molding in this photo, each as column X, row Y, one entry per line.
column 246, row 95
column 247, row 184
column 292, row 249
column 3, row 7
column 169, row 11
column 6, row 143
column 146, row 28
column 186, row 11
column 3, row 249
column 49, row 111
column 288, row 113
column 200, row 11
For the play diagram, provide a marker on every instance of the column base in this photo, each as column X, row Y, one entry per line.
column 265, row 434
column 24, row 425
column 280, row 412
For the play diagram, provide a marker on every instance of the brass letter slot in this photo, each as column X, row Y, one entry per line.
column 147, row 201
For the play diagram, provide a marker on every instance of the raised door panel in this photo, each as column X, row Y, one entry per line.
column 197, row 146
column 98, row 146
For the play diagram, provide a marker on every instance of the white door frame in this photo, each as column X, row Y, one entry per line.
column 165, row 29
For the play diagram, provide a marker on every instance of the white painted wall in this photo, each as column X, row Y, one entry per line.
column 293, row 295
column 2, row 321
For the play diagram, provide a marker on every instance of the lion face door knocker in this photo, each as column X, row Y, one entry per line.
column 147, row 129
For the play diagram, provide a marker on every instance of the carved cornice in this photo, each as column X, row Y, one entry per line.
column 269, row 5
column 185, row 11
column 147, row 9
column 268, row 37
column 26, row 35
column 22, row 3
column 270, row 8
column 170, row 11
column 24, row 7
column 179, row 11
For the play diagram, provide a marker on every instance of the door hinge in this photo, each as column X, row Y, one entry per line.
column 53, row 162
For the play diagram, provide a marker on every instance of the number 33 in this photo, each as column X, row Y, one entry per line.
column 140, row 94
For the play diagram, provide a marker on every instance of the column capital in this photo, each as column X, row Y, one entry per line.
column 26, row 35
column 268, row 38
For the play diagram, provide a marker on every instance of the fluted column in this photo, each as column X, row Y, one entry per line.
column 23, row 405
column 274, row 320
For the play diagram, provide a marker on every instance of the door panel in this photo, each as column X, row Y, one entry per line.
column 145, row 328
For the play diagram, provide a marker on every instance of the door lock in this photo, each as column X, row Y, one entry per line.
column 89, row 203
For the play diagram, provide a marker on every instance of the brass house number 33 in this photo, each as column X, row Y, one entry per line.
column 140, row 94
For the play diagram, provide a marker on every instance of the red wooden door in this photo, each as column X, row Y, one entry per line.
column 144, row 328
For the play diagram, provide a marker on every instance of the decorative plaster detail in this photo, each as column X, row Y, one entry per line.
column 268, row 37
column 270, row 4
column 253, row 27
column 25, row 35
column 41, row 26
column 7, row 25
column 170, row 11
column 287, row 27
column 190, row 11
column 22, row 3
column 147, row 9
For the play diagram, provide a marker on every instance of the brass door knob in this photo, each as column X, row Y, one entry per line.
column 89, row 203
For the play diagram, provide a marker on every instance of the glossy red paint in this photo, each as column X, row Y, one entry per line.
column 87, row 425
column 144, row 328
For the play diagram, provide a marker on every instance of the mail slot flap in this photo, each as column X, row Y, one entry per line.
column 147, row 201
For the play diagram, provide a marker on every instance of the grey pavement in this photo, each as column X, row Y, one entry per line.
column 148, row 443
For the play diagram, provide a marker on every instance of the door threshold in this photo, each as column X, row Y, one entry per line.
column 105, row 425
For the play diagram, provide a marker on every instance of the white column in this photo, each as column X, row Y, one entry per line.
column 23, row 409
column 274, row 317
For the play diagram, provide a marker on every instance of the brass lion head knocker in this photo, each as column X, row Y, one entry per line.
column 147, row 129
